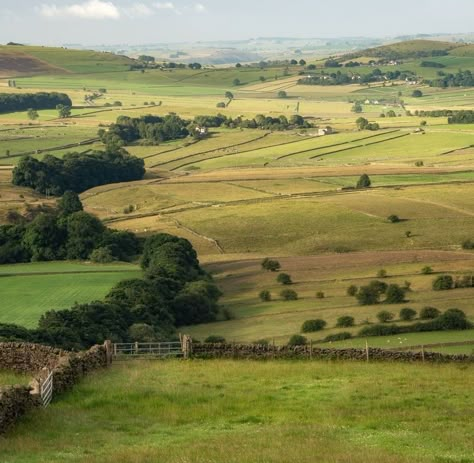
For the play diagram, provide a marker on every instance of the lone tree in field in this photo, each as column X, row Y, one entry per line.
column 417, row 94
column 385, row 316
column 63, row 111
column 282, row 94
column 364, row 181
column 407, row 314
column 236, row 82
column 357, row 108
column 270, row 265
column 32, row 114
column 265, row 295
column 310, row 326
column 443, row 283
column 289, row 295
column 284, row 279
column 229, row 95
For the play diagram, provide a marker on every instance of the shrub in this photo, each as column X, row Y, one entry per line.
column 265, row 295
column 467, row 281
column 213, row 339
column 417, row 94
column 382, row 273
column 289, row 295
column 379, row 330
column 384, row 316
column 320, row 295
column 429, row 313
column 102, row 255
column 221, row 104
column 394, row 295
column 297, row 340
column 345, row 321
column 338, row 337
column 228, row 314
column 364, row 181
column 352, row 290
column 452, row 319
column 270, row 265
column 443, row 283
column 310, row 326
column 393, row 218
column 427, row 270
column 367, row 296
column 407, row 314
column 468, row 244
column 284, row 279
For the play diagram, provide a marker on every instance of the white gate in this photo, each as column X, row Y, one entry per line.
column 46, row 390
column 148, row 349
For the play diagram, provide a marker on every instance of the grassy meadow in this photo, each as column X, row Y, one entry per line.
column 214, row 411
column 29, row 290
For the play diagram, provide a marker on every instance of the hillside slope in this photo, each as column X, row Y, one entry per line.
column 21, row 60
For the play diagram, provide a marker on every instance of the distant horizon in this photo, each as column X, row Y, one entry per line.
column 137, row 22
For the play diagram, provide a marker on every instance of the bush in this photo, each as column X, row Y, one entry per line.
column 364, row 181
column 265, row 296
column 393, row 218
column 345, row 321
column 407, row 314
column 443, row 283
column 417, row 94
column 284, row 279
column 382, row 273
column 297, row 340
column 429, row 313
column 220, row 105
column 452, row 319
column 213, row 339
column 427, row 270
column 468, row 244
column 289, row 295
column 394, row 295
column 338, row 337
column 320, row 295
column 379, row 330
column 102, row 255
column 384, row 316
column 352, row 290
column 310, row 326
column 270, row 265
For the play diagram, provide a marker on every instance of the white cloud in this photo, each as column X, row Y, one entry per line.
column 91, row 9
column 165, row 6
column 137, row 10
column 199, row 7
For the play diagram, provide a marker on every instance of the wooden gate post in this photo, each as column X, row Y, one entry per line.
column 108, row 352
column 367, row 349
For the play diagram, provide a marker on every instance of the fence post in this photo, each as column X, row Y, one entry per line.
column 367, row 349
column 136, row 348
column 108, row 352
column 423, row 354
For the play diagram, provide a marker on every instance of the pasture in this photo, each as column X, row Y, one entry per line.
column 277, row 319
column 29, row 290
column 231, row 411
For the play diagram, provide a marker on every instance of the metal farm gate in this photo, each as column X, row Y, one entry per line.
column 176, row 349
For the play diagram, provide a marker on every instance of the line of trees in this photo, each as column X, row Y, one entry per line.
column 77, row 171
column 460, row 79
column 341, row 78
column 152, row 130
column 12, row 102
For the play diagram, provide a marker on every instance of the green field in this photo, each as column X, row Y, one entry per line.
column 243, row 412
column 29, row 290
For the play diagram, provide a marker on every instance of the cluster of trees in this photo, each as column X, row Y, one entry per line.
column 151, row 129
column 68, row 233
column 258, row 122
column 462, row 117
column 364, row 124
column 340, row 78
column 447, row 282
column 460, row 79
column 11, row 102
column 77, row 171
column 372, row 293
column 174, row 291
column 432, row 64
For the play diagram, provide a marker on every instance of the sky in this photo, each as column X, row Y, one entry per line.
column 56, row 22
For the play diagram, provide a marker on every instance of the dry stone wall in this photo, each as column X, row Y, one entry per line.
column 67, row 367
column 253, row 351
